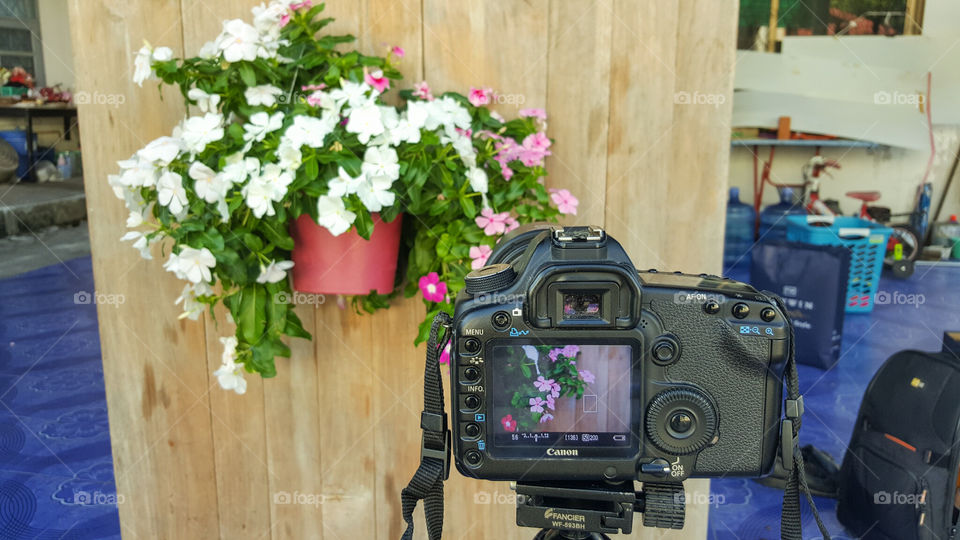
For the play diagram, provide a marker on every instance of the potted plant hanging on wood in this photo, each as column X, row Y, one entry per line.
column 292, row 160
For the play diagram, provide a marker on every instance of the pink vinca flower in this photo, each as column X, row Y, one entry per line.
column 445, row 355
column 587, row 377
column 512, row 224
column 570, row 351
column 398, row 51
column 536, row 404
column 284, row 20
column 313, row 87
column 305, row 4
column 555, row 354
column 565, row 201
column 422, row 91
column 492, row 223
column 376, row 79
column 551, row 403
column 546, row 418
column 508, row 423
column 479, row 97
column 533, row 113
column 554, row 391
column 432, row 288
column 534, row 149
column 480, row 254
column 315, row 99
column 543, row 385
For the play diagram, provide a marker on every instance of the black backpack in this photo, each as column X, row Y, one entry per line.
column 899, row 475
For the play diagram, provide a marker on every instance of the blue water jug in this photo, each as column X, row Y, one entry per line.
column 773, row 222
column 739, row 233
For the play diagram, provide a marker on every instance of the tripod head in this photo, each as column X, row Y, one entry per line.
column 590, row 510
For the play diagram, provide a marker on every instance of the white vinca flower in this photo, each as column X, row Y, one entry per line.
column 259, row 198
column 263, row 94
column 266, row 18
column 209, row 185
column 344, row 184
column 142, row 69
column 230, row 373
column 310, row 131
column 417, row 113
column 275, row 272
column 333, row 214
column 351, row 94
column 209, row 50
column 381, row 161
column 170, row 192
column 161, row 151
column 141, row 242
column 238, row 168
column 192, row 308
column 375, row 193
column 365, row 122
column 455, row 113
column 478, row 179
column 260, row 124
column 288, row 155
column 238, row 41
column 276, row 179
column 136, row 172
column 205, row 102
column 192, row 264
column 199, row 131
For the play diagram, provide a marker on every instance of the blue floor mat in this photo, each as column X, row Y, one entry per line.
column 56, row 473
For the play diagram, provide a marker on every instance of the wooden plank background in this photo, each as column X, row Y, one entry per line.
column 339, row 425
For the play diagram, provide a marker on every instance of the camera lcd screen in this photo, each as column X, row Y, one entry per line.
column 561, row 396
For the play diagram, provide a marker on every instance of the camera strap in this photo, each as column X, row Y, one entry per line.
column 427, row 482
column 791, row 521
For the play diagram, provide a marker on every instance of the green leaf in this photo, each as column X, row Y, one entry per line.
column 247, row 74
column 364, row 223
column 252, row 313
column 277, row 234
column 294, row 327
column 469, row 208
column 526, row 370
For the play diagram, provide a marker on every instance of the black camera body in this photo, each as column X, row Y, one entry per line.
column 567, row 364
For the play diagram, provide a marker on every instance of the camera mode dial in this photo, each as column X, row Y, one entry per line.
column 681, row 421
column 489, row 278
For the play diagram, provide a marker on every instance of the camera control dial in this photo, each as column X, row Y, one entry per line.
column 489, row 278
column 681, row 421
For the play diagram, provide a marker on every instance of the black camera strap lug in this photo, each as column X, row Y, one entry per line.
column 427, row 481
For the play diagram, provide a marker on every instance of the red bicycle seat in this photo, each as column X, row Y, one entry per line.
column 865, row 196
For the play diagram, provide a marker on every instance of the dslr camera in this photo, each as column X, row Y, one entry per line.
column 572, row 372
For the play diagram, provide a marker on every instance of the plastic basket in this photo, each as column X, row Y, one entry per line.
column 867, row 242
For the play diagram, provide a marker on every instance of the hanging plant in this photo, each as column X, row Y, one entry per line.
column 287, row 124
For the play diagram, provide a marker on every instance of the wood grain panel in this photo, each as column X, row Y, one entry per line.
column 578, row 99
column 155, row 370
column 339, row 424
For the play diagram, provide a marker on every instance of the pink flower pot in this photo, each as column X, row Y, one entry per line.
column 345, row 264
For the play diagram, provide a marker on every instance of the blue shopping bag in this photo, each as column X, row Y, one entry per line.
column 812, row 280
